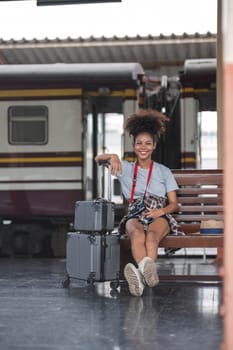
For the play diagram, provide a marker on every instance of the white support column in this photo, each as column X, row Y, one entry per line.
column 130, row 107
column 189, row 132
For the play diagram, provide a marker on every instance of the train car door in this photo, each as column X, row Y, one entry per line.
column 102, row 134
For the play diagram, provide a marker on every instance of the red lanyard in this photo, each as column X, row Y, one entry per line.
column 135, row 180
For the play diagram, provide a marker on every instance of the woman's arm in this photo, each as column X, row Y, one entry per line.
column 115, row 163
column 170, row 208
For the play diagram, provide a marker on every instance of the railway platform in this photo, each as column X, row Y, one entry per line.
column 37, row 313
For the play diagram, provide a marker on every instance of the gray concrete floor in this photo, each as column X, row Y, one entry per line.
column 37, row 313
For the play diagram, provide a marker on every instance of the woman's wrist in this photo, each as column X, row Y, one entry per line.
column 105, row 156
column 112, row 156
column 162, row 212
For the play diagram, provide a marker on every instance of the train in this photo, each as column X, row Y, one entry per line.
column 56, row 117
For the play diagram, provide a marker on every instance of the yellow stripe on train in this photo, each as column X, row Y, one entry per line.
column 130, row 159
column 193, row 90
column 188, row 160
column 62, row 92
column 125, row 93
column 40, row 92
column 40, row 159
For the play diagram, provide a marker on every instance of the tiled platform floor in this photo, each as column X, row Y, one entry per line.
column 36, row 313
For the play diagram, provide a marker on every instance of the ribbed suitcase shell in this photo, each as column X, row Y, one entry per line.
column 93, row 257
column 97, row 215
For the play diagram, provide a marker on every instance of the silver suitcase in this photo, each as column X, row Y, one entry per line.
column 92, row 258
column 96, row 215
column 93, row 255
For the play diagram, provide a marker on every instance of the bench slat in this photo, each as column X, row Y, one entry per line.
column 188, row 241
column 197, row 191
column 199, row 180
column 199, row 218
column 203, row 172
column 200, row 208
column 200, row 200
column 192, row 241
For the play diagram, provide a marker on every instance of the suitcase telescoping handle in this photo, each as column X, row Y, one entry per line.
column 102, row 165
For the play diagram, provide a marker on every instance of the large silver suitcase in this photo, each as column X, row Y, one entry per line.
column 92, row 258
column 96, row 215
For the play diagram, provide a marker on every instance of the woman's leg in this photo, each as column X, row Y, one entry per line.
column 133, row 276
column 155, row 233
column 157, row 230
column 136, row 234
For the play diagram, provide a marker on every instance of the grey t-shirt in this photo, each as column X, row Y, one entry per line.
column 162, row 180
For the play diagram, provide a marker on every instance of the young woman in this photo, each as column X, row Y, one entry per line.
column 150, row 189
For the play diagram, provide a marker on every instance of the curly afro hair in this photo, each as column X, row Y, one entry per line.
column 150, row 121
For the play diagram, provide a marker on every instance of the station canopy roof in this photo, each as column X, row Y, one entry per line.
column 159, row 55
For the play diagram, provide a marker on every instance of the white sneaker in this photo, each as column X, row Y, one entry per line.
column 150, row 273
column 134, row 278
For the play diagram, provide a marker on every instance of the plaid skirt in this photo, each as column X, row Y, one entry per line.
column 151, row 202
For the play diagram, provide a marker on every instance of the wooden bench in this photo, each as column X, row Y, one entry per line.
column 200, row 198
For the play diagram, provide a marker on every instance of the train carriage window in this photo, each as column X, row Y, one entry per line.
column 28, row 125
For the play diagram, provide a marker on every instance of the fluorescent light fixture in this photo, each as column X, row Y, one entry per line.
column 71, row 2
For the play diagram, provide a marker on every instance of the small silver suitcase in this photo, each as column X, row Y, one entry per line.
column 96, row 215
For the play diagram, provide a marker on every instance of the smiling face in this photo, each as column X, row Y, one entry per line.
column 144, row 145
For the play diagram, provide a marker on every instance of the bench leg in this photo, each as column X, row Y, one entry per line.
column 204, row 255
column 219, row 258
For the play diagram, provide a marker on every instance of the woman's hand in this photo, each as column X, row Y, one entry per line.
column 115, row 163
column 154, row 213
column 170, row 208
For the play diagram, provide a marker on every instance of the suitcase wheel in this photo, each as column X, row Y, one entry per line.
column 114, row 284
column 66, row 282
column 91, row 279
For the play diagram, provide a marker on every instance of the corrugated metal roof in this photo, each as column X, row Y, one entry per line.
column 158, row 54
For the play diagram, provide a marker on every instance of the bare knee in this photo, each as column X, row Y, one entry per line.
column 157, row 231
column 152, row 238
column 137, row 235
column 155, row 236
